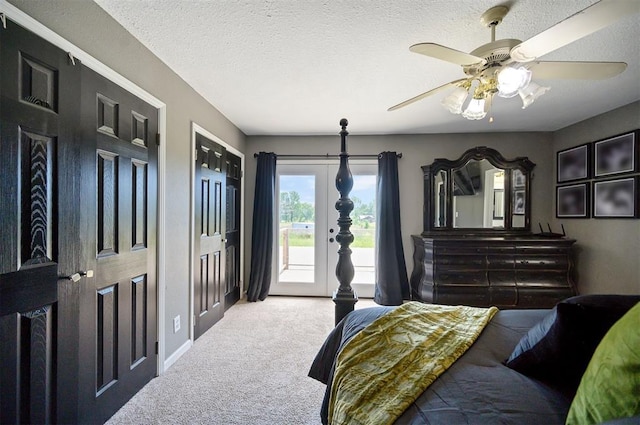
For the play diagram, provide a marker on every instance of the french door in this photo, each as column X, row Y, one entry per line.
column 306, row 226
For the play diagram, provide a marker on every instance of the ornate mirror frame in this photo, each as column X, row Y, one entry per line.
column 445, row 167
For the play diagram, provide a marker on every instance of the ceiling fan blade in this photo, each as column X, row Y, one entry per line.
column 447, row 54
column 576, row 70
column 426, row 94
column 583, row 23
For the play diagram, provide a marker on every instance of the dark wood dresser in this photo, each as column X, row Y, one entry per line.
column 523, row 271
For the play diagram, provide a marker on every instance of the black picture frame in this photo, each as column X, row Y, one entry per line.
column 616, row 198
column 519, row 202
column 572, row 201
column 573, row 163
column 616, row 155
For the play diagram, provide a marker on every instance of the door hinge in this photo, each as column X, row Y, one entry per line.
column 241, row 173
column 3, row 18
column 194, row 320
column 157, row 139
column 157, row 348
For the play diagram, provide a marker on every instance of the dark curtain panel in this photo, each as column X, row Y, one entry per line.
column 262, row 233
column 392, row 285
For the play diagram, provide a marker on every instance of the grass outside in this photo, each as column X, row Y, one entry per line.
column 363, row 238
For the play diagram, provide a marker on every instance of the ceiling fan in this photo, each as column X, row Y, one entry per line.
column 505, row 67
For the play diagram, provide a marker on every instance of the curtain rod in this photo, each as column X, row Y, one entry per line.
column 328, row 156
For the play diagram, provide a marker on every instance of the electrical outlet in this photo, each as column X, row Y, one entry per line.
column 176, row 324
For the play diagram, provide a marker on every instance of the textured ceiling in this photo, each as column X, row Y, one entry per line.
column 281, row 67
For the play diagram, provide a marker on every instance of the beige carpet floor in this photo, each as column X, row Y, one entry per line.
column 250, row 368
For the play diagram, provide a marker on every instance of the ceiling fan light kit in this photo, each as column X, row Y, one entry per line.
column 511, row 80
column 453, row 103
column 505, row 67
column 531, row 93
column 475, row 110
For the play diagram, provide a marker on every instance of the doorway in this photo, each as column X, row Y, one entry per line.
column 210, row 228
column 217, row 188
column 306, row 226
column 233, row 231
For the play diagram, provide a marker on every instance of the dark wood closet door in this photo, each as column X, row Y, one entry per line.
column 38, row 221
column 118, row 323
column 210, row 211
column 232, row 245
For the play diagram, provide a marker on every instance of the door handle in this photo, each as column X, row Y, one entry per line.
column 77, row 276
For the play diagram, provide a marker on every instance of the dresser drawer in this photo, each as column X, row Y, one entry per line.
column 464, row 261
column 543, row 297
column 501, row 250
column 461, row 249
column 471, row 277
column 500, row 262
column 537, row 278
column 542, row 262
column 502, row 277
column 503, row 296
column 541, row 250
column 477, row 296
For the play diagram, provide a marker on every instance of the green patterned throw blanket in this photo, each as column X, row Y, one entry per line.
column 386, row 366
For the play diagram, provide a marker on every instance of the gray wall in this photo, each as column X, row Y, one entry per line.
column 417, row 150
column 91, row 29
column 609, row 249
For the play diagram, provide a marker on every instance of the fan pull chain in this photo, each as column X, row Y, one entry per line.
column 490, row 108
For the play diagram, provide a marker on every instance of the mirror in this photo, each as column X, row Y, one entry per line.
column 478, row 195
column 481, row 191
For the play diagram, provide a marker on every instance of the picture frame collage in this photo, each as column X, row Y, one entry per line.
column 599, row 179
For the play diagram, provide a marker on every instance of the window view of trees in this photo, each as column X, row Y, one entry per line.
column 293, row 210
column 299, row 216
column 363, row 215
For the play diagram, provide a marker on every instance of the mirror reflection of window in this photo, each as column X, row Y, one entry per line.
column 497, row 182
column 498, row 204
column 440, row 194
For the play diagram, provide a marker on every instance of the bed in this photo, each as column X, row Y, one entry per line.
column 479, row 388
column 578, row 362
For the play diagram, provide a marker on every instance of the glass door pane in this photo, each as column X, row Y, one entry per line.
column 363, row 227
column 300, row 222
column 296, row 235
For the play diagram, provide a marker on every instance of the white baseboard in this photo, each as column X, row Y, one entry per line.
column 177, row 354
